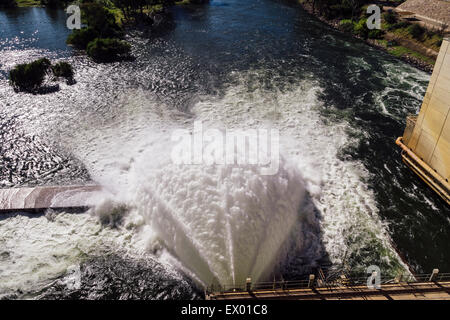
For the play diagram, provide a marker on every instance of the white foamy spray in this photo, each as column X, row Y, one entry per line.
column 226, row 223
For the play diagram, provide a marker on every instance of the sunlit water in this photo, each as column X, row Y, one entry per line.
column 341, row 199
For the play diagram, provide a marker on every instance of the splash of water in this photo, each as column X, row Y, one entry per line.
column 224, row 224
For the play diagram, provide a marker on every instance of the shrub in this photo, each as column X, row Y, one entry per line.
column 375, row 34
column 416, row 31
column 29, row 76
column 100, row 19
column 390, row 17
column 341, row 9
column 347, row 25
column 105, row 50
column 399, row 25
column 81, row 38
column 62, row 70
column 361, row 29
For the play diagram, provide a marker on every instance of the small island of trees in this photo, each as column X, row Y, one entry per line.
column 101, row 37
column 30, row 77
column 105, row 20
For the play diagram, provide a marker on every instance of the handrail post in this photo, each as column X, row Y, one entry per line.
column 434, row 275
column 344, row 280
column 248, row 284
column 311, row 281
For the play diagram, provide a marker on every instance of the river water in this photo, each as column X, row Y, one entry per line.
column 341, row 199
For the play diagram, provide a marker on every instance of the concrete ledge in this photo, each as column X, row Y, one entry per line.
column 57, row 197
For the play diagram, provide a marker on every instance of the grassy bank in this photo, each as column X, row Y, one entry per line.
column 41, row 3
column 402, row 51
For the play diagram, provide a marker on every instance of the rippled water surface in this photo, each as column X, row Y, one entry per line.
column 342, row 197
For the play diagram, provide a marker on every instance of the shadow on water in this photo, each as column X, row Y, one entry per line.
column 116, row 277
column 46, row 89
column 103, row 274
column 311, row 255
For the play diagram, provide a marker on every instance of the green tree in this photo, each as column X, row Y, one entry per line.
column 416, row 31
column 361, row 28
column 107, row 50
column 81, row 38
column 347, row 25
column 133, row 10
column 63, row 70
column 390, row 17
column 29, row 76
column 334, row 8
column 100, row 19
column 354, row 5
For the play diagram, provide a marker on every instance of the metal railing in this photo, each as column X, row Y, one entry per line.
column 323, row 282
column 409, row 128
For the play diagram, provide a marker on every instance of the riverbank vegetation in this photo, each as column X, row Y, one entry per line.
column 63, row 70
column 412, row 31
column 31, row 77
column 28, row 3
column 107, row 49
column 35, row 3
column 402, row 38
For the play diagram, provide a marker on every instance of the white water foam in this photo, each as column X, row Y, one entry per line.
column 37, row 249
column 350, row 220
column 222, row 224
column 228, row 223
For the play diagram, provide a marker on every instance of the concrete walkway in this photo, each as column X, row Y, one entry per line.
column 398, row 291
column 38, row 198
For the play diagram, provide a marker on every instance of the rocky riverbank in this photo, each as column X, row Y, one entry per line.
column 417, row 62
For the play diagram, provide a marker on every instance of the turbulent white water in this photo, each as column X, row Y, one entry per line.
column 349, row 219
column 36, row 250
column 220, row 224
column 226, row 223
